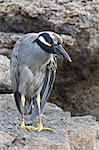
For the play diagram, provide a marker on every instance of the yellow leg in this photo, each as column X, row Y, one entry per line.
column 23, row 126
column 22, row 119
column 40, row 126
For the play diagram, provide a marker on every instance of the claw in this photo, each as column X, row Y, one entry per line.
column 31, row 127
column 39, row 128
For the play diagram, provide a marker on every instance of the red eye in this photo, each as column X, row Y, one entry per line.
column 51, row 42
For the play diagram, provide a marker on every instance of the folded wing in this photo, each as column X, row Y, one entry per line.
column 47, row 87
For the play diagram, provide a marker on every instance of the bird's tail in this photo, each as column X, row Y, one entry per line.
column 28, row 106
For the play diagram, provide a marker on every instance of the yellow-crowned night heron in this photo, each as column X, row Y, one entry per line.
column 33, row 69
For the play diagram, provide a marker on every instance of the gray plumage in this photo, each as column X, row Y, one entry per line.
column 33, row 70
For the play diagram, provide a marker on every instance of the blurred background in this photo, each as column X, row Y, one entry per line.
column 76, row 88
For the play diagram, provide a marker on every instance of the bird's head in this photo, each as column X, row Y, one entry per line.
column 51, row 43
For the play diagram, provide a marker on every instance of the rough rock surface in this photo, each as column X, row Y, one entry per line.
column 77, row 84
column 70, row 133
column 7, row 40
column 5, row 82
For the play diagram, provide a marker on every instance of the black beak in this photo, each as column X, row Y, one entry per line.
column 60, row 50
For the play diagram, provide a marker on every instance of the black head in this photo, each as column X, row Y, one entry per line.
column 51, row 43
column 46, row 38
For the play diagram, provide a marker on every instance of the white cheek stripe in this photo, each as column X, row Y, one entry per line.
column 43, row 41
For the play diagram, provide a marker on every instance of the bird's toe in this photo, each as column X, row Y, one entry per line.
column 39, row 128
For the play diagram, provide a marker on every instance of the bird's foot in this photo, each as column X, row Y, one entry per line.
column 28, row 127
column 39, row 128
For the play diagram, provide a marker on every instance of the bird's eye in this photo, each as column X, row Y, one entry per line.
column 51, row 42
column 58, row 43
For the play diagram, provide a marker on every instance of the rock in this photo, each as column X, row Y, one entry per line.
column 5, row 82
column 70, row 133
column 7, row 40
column 77, row 84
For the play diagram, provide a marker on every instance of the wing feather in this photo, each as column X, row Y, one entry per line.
column 46, row 88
